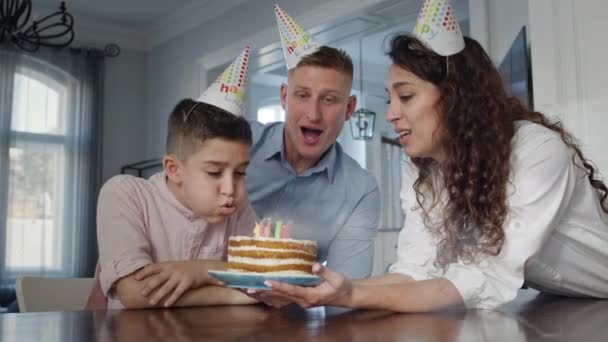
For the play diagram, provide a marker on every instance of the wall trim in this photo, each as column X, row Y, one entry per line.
column 329, row 12
column 187, row 18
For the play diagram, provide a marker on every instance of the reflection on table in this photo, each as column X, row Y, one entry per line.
column 529, row 318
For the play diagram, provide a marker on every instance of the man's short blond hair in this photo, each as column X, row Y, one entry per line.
column 330, row 58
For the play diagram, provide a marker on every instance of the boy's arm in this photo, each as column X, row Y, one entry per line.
column 157, row 285
column 122, row 238
column 129, row 291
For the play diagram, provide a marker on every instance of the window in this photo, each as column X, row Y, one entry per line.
column 37, row 173
column 271, row 113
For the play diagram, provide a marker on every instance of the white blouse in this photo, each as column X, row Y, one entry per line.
column 556, row 234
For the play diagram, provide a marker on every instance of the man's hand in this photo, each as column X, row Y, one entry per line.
column 172, row 279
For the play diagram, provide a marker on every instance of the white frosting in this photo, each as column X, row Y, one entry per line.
column 290, row 272
column 268, row 261
column 302, row 242
column 262, row 249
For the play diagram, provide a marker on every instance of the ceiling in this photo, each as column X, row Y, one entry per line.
column 150, row 22
column 132, row 13
column 138, row 24
column 362, row 35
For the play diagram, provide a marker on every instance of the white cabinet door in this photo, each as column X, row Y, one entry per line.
column 386, row 251
column 389, row 242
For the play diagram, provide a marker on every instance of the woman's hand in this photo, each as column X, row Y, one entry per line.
column 262, row 296
column 335, row 290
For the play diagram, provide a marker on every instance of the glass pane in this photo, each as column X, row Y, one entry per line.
column 272, row 113
column 35, row 204
column 38, row 104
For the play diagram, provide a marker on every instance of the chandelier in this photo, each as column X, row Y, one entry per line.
column 53, row 30
column 362, row 124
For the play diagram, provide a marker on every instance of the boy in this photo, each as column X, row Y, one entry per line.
column 158, row 237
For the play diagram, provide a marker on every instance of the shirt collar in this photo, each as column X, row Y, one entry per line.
column 159, row 181
column 274, row 144
column 328, row 163
column 275, row 149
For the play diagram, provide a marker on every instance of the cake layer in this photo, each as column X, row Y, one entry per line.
column 247, row 267
column 309, row 247
column 253, row 254
column 270, row 255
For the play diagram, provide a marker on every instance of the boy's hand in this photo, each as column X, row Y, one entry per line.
column 173, row 278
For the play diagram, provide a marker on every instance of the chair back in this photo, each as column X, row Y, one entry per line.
column 35, row 294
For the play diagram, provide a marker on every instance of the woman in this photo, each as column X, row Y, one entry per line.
column 495, row 196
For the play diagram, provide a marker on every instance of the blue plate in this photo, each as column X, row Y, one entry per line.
column 246, row 280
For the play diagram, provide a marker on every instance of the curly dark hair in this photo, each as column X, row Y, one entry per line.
column 478, row 118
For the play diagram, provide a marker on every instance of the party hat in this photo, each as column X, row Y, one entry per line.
column 438, row 28
column 296, row 42
column 229, row 89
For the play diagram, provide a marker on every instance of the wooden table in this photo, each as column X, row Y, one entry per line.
column 529, row 318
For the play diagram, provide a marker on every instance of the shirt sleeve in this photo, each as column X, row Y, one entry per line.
column 542, row 184
column 416, row 251
column 352, row 250
column 121, row 231
column 257, row 128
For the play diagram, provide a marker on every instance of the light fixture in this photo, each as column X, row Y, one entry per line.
column 53, row 30
column 363, row 119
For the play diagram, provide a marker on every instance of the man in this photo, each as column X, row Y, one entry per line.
column 298, row 171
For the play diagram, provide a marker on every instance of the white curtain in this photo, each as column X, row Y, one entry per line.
column 49, row 160
column 390, row 186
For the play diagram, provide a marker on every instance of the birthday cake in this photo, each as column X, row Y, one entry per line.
column 271, row 251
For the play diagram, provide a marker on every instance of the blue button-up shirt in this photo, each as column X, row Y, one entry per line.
column 336, row 202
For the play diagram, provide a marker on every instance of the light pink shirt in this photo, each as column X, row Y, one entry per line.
column 140, row 222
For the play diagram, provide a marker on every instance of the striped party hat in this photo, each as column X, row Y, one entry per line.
column 229, row 89
column 438, row 28
column 296, row 42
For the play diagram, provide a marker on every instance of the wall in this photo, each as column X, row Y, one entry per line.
column 123, row 112
column 495, row 23
column 172, row 67
column 568, row 50
column 570, row 79
column 260, row 95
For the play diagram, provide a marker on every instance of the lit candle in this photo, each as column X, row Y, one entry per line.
column 285, row 231
column 256, row 230
column 277, row 229
column 266, row 227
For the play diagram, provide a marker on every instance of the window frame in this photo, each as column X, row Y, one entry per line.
column 59, row 81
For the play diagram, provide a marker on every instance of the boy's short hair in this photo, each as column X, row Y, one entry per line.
column 192, row 123
column 331, row 58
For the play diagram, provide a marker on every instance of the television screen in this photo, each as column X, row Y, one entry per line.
column 516, row 71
